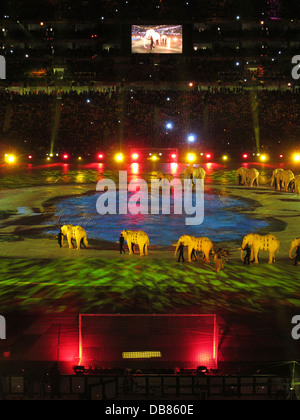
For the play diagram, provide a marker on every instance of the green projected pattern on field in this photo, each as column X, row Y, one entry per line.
column 145, row 286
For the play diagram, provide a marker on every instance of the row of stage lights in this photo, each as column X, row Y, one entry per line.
column 190, row 157
column 156, row 157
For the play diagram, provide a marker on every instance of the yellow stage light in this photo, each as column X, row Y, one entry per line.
column 191, row 157
column 119, row 157
column 296, row 157
column 154, row 158
column 10, row 159
column 225, row 157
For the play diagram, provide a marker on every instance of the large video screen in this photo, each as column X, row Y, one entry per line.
column 156, row 39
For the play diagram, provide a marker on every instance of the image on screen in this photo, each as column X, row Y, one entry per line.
column 159, row 39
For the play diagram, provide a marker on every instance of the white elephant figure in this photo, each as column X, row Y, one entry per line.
column 204, row 245
column 164, row 39
column 139, row 238
column 274, row 176
column 261, row 243
column 194, row 173
column 284, row 179
column 297, row 185
column 74, row 232
column 240, row 175
column 199, row 173
column 162, row 176
column 151, row 34
column 294, row 245
column 245, row 174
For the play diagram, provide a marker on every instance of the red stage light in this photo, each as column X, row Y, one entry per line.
column 135, row 156
column 208, row 156
column 245, row 156
column 100, row 156
column 29, row 157
column 174, row 156
column 65, row 156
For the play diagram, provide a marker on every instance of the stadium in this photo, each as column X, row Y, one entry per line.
column 205, row 93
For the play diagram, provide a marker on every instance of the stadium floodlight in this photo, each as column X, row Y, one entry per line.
column 191, row 138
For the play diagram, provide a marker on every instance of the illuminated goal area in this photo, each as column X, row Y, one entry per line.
column 148, row 341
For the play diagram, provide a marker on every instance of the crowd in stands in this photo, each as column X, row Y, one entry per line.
column 82, row 123
column 163, row 9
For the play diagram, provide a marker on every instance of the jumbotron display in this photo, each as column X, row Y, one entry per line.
column 159, row 39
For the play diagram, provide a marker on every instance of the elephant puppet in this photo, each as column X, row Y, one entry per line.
column 244, row 174
column 152, row 34
column 274, row 177
column 261, row 243
column 162, row 176
column 198, row 244
column 194, row 173
column 240, row 174
column 284, row 178
column 139, row 238
column 297, row 185
column 74, row 232
column 164, row 39
column 294, row 245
